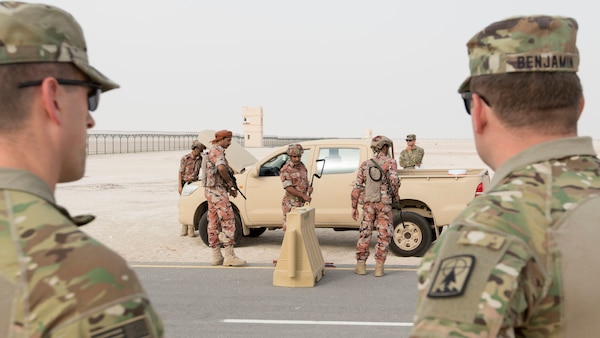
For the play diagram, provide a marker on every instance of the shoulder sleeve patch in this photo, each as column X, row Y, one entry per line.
column 137, row 327
column 452, row 276
column 484, row 239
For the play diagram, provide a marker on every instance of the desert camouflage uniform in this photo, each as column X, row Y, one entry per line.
column 376, row 214
column 409, row 160
column 220, row 212
column 57, row 281
column 190, row 167
column 293, row 176
column 520, row 260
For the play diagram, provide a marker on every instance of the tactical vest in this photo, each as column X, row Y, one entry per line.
column 374, row 179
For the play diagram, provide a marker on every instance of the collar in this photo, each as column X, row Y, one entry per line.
column 22, row 180
column 25, row 181
column 561, row 148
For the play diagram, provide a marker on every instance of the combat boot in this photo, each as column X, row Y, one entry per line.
column 183, row 230
column 231, row 259
column 217, row 258
column 378, row 269
column 361, row 268
column 191, row 230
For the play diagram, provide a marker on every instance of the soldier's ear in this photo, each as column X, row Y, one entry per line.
column 479, row 114
column 581, row 105
column 51, row 99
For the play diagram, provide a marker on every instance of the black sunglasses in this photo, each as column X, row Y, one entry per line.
column 468, row 97
column 93, row 95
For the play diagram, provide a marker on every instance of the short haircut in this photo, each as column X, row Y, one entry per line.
column 546, row 101
column 15, row 102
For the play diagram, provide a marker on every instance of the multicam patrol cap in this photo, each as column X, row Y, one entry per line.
column 411, row 137
column 42, row 33
column 524, row 44
column 295, row 150
column 379, row 141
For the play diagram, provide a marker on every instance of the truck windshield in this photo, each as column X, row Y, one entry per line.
column 273, row 166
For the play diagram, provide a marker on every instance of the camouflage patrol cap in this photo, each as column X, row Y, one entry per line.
column 42, row 33
column 524, row 44
column 379, row 141
column 411, row 137
column 197, row 144
column 295, row 150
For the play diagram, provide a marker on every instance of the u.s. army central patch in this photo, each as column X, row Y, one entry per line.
column 452, row 276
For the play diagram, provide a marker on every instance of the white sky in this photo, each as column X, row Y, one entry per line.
column 319, row 68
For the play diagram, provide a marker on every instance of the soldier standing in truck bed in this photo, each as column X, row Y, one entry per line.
column 411, row 157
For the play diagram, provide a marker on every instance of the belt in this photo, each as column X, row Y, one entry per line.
column 295, row 198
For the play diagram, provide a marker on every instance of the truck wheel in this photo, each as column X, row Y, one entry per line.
column 203, row 228
column 255, row 232
column 412, row 239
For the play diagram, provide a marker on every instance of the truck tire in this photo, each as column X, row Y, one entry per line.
column 203, row 228
column 255, row 232
column 412, row 239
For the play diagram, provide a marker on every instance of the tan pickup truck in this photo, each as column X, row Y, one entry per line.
column 430, row 199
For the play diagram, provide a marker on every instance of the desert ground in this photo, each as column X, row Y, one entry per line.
column 134, row 198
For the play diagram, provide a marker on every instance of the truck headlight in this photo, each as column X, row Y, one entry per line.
column 189, row 189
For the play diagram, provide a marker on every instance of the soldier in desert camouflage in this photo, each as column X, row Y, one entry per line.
column 519, row 260
column 294, row 178
column 56, row 281
column 189, row 169
column 218, row 187
column 376, row 184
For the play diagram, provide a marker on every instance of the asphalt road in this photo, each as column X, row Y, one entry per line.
column 203, row 301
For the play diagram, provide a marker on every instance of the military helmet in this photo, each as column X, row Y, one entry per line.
column 379, row 141
column 295, row 150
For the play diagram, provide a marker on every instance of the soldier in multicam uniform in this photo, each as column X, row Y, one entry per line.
column 412, row 155
column 376, row 181
column 294, row 177
column 221, row 218
column 56, row 280
column 189, row 169
column 519, row 260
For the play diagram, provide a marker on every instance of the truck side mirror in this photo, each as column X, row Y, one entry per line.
column 320, row 165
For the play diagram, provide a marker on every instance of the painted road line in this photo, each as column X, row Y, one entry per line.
column 313, row 322
column 260, row 267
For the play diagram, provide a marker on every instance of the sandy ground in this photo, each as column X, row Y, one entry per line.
column 134, row 198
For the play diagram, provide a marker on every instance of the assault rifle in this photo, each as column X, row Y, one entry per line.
column 234, row 181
